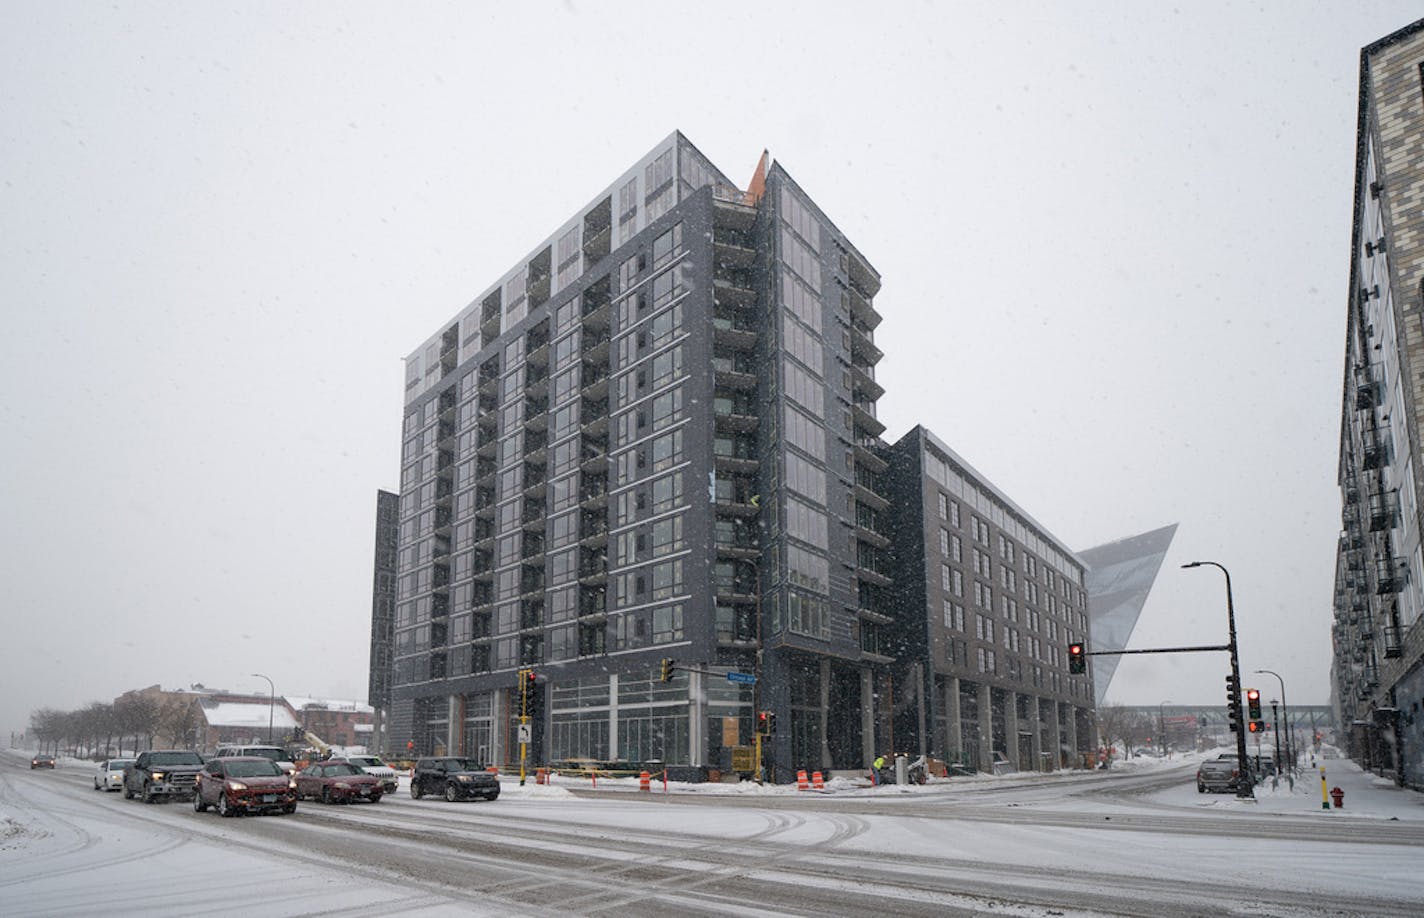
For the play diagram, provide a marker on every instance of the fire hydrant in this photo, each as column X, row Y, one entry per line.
column 1338, row 796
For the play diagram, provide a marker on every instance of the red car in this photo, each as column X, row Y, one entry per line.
column 337, row 781
column 244, row 784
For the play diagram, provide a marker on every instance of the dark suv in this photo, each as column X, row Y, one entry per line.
column 457, row 779
column 161, row 773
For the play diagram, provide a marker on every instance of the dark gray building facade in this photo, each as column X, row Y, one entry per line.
column 656, row 438
column 986, row 603
column 652, row 439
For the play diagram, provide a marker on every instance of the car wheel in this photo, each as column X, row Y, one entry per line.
column 326, row 796
column 452, row 793
column 1201, row 789
column 198, row 805
column 375, row 798
column 415, row 790
column 289, row 809
column 225, row 808
column 128, row 794
column 492, row 797
column 148, row 796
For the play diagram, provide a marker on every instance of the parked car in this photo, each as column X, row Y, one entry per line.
column 161, row 773
column 275, row 753
column 1220, row 774
column 457, row 779
column 372, row 765
column 337, row 781
column 41, row 761
column 244, row 784
column 109, row 775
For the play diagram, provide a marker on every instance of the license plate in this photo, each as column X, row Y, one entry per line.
column 269, row 798
column 365, row 792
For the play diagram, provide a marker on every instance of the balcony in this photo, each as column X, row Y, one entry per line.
column 1368, row 390
column 1391, row 575
column 734, row 372
column 730, row 290
column 735, row 496
column 1375, row 443
column 1383, row 510
column 863, row 346
column 735, row 412
column 593, row 416
column 863, row 384
column 593, row 565
column 1393, row 649
column 594, row 380
column 865, row 420
column 593, row 531
column 594, row 492
column 734, row 333
column 592, row 601
column 860, row 308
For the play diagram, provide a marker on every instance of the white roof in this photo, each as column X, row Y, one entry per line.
column 299, row 702
column 237, row 714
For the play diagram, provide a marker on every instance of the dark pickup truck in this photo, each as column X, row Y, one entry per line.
column 161, row 773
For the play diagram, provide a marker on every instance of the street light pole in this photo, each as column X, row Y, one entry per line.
column 1285, row 715
column 1243, row 786
column 271, row 703
column 1162, row 728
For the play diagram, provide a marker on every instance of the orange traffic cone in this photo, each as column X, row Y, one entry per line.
column 801, row 780
column 645, row 782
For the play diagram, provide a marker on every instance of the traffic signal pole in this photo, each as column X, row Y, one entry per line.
column 1244, row 789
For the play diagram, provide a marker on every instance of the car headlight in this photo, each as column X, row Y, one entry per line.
column 236, row 785
column 157, row 776
column 292, row 784
column 465, row 778
column 343, row 785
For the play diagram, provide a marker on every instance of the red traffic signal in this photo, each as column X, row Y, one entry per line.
column 1256, row 726
column 1077, row 663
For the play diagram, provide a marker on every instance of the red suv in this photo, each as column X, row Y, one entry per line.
column 244, row 784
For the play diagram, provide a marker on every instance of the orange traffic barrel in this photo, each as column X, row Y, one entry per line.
column 801, row 780
column 818, row 782
column 645, row 782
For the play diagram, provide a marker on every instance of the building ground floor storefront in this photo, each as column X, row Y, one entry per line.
column 826, row 715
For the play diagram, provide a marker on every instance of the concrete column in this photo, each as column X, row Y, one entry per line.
column 1037, row 745
column 954, row 739
column 867, row 716
column 697, row 719
column 825, row 712
column 1055, row 726
column 454, row 725
column 986, row 728
column 1011, row 729
column 613, row 715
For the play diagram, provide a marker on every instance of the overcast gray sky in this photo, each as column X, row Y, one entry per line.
column 1113, row 237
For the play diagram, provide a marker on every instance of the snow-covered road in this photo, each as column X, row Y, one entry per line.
column 1138, row 840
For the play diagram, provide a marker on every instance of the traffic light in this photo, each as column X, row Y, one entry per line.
column 766, row 722
column 1233, row 703
column 668, row 666
column 1253, row 710
column 1077, row 663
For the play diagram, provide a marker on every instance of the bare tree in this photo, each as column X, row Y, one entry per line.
column 179, row 720
column 138, row 717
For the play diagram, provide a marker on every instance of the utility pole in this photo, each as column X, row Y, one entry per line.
column 1243, row 787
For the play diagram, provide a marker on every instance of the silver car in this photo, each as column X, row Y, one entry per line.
column 109, row 775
